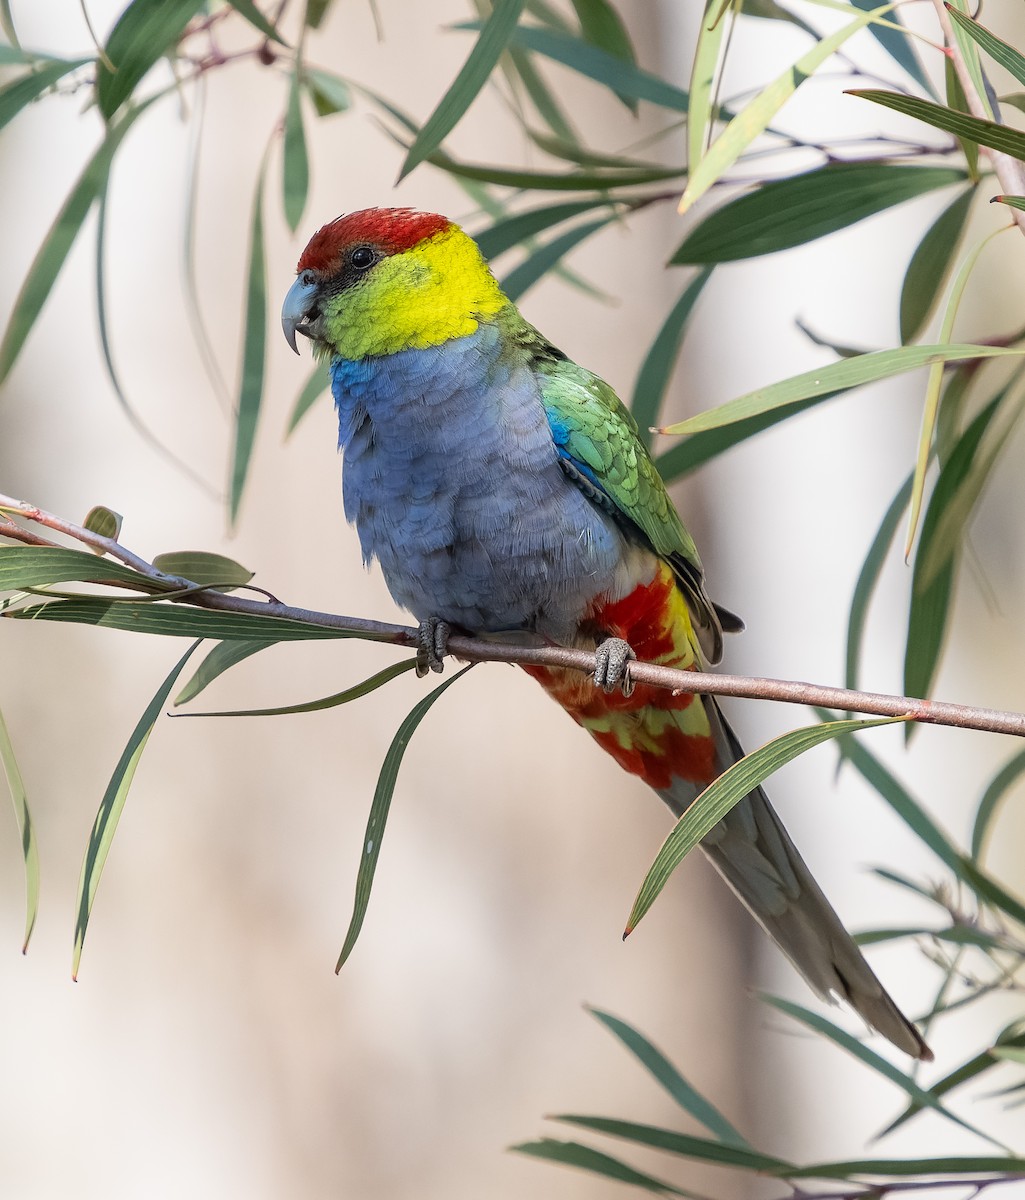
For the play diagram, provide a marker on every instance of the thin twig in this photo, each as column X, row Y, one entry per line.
column 932, row 712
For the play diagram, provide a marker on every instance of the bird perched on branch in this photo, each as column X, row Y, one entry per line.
column 503, row 488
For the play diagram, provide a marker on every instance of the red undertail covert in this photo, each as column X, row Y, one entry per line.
column 651, row 733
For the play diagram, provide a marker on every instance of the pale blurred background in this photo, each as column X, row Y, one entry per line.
column 209, row 1049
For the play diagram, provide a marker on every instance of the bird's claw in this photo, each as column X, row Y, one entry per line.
column 432, row 645
column 612, row 666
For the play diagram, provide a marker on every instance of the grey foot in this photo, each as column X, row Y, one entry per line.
column 432, row 645
column 612, row 669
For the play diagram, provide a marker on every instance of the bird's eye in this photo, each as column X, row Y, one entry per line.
column 308, row 279
column 362, row 257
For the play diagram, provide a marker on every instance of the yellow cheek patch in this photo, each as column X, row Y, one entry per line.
column 438, row 290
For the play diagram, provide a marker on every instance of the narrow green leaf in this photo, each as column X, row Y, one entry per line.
column 583, row 156
column 796, row 210
column 898, row 44
column 921, row 824
column 1011, row 201
column 704, row 71
column 725, row 793
column 38, row 566
column 935, row 566
column 15, row 95
column 931, row 264
column 508, row 232
column 1009, row 58
column 200, row 566
column 931, row 406
column 966, row 1072
column 7, row 25
column 872, row 1060
column 26, row 829
column 755, row 117
column 613, row 72
column 247, row 9
column 663, row 1071
column 1011, row 1054
column 111, row 806
column 958, row 101
column 356, row 692
column 104, row 521
column 329, row 93
column 379, row 812
column 700, row 1149
column 602, row 26
column 554, row 181
column 254, row 341
column 958, row 504
column 548, row 107
column 220, row 659
column 868, row 577
column 493, row 39
column 995, row 792
column 653, row 377
column 295, row 165
column 315, row 386
column 958, row 935
column 969, row 50
column 834, row 378
column 698, row 448
column 903, row 1167
column 573, row 1154
column 178, row 620
column 986, row 133
column 537, row 264
column 53, row 252
column 145, row 31
column 316, row 11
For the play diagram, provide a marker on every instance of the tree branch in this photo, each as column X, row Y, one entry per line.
column 931, row 712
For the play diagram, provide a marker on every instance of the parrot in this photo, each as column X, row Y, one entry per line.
column 504, row 491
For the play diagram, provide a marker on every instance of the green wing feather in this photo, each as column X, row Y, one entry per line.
column 597, row 439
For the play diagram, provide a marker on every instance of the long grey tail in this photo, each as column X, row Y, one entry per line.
column 754, row 854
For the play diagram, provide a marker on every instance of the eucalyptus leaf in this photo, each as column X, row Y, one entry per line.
column 663, row 1071
column 931, row 264
column 356, row 692
column 145, row 31
column 510, row 231
column 704, row 71
column 330, row 93
column 248, row 10
column 756, row 116
column 14, row 96
column 898, row 44
column 202, row 567
column 254, row 352
column 221, row 658
column 112, row 804
column 574, row 1154
column 538, row 263
column 992, row 797
column 986, row 133
column 379, row 812
column 315, row 386
column 178, row 620
column 834, row 378
column 727, row 791
column 51, row 255
column 39, row 566
column 26, row 829
column 295, row 165
column 657, row 368
column 104, row 521
column 700, row 1149
column 801, row 208
column 494, row 37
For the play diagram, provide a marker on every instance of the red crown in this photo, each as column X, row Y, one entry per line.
column 391, row 230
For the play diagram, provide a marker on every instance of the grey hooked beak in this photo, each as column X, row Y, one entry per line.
column 296, row 309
